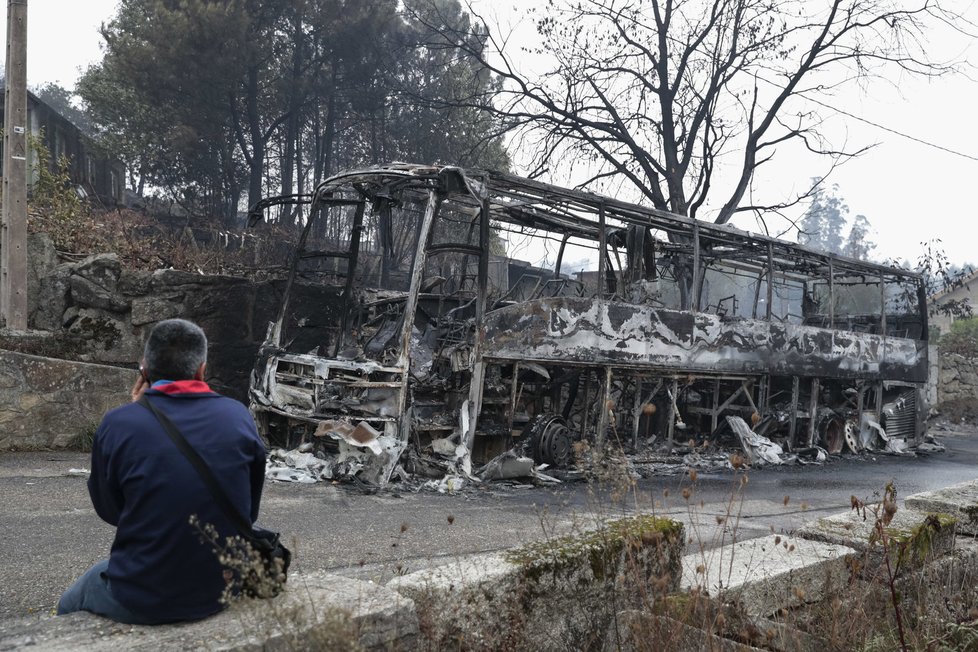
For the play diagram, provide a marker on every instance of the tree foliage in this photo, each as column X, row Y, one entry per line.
column 217, row 101
column 430, row 86
column 825, row 219
column 858, row 242
column 52, row 193
column 62, row 100
column 160, row 95
column 962, row 338
column 684, row 101
column 943, row 276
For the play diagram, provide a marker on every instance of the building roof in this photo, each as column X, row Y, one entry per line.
column 33, row 97
column 963, row 283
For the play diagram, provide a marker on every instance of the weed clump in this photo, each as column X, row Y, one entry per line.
column 296, row 624
column 83, row 441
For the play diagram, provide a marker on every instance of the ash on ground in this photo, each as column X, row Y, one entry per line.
column 744, row 448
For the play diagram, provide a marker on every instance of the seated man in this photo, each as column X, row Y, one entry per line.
column 159, row 570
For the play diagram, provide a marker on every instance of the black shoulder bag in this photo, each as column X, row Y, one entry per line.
column 266, row 581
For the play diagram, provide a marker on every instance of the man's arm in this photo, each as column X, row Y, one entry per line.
column 103, row 486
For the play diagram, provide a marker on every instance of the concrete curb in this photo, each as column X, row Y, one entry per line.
column 300, row 618
column 760, row 577
column 769, row 573
column 959, row 500
column 855, row 529
column 558, row 594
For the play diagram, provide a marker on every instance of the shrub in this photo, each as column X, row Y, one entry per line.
column 52, row 193
column 141, row 240
column 962, row 338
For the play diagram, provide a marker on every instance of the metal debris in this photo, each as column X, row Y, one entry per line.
column 511, row 465
column 361, row 436
column 296, row 466
column 507, row 466
column 758, row 448
column 930, row 447
column 450, row 484
column 896, row 446
column 813, row 455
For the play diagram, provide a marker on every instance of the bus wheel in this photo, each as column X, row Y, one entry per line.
column 833, row 435
column 552, row 441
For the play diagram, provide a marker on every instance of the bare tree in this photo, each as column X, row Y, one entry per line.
column 654, row 93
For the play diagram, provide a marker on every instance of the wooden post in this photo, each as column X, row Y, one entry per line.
column 639, row 408
column 587, row 403
column 879, row 402
column 748, row 388
column 13, row 241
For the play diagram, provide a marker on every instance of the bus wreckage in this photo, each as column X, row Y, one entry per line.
column 426, row 348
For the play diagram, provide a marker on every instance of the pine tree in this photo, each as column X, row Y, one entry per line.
column 218, row 102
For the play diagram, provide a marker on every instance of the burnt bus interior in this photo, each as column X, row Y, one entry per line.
column 406, row 336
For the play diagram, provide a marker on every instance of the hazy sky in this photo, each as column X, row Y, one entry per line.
column 910, row 192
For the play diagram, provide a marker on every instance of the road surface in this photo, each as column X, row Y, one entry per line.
column 49, row 532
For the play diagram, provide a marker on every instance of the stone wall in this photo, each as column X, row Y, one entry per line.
column 933, row 375
column 93, row 311
column 47, row 403
column 99, row 312
column 957, row 379
column 88, row 321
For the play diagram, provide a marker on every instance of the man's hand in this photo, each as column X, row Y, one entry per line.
column 141, row 386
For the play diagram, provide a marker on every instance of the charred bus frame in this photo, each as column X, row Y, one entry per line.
column 417, row 350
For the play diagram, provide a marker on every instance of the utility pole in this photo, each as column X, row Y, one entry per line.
column 13, row 244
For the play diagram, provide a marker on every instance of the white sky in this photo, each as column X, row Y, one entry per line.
column 909, row 192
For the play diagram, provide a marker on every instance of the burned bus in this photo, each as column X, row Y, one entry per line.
column 409, row 333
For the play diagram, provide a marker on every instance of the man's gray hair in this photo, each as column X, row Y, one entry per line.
column 174, row 350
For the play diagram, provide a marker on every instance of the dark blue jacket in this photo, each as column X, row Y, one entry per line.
column 142, row 484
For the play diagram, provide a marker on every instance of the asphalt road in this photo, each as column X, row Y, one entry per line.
column 49, row 532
